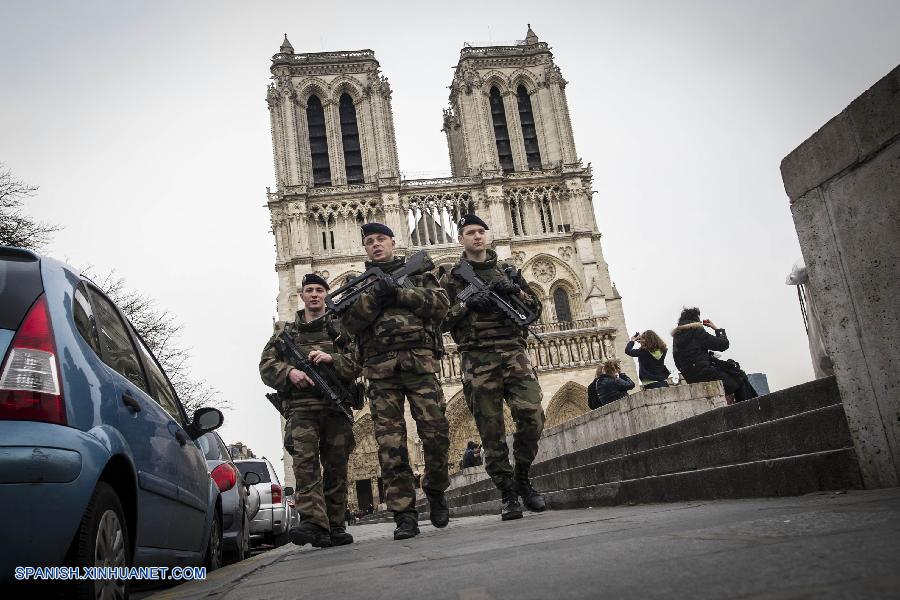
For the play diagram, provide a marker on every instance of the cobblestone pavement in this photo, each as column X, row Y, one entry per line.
column 825, row 545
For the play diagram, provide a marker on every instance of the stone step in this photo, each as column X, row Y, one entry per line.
column 791, row 442
column 787, row 476
column 813, row 431
column 778, row 405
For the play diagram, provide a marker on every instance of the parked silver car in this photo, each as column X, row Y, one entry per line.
column 240, row 504
column 272, row 522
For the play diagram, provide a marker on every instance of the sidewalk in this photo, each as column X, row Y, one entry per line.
column 824, row 545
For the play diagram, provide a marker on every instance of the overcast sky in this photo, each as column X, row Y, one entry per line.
column 146, row 128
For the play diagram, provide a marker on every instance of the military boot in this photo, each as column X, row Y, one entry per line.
column 531, row 498
column 510, row 508
column 339, row 536
column 407, row 525
column 439, row 511
column 310, row 533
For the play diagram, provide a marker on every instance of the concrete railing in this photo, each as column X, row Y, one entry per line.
column 639, row 412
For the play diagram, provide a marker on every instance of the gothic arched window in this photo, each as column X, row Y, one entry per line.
column 350, row 139
column 318, row 142
column 561, row 302
column 529, row 132
column 501, row 133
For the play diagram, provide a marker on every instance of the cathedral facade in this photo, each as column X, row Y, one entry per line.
column 513, row 162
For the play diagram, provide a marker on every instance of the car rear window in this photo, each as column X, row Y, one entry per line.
column 256, row 467
column 20, row 285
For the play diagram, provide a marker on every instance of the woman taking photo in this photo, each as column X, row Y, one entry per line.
column 610, row 385
column 651, row 357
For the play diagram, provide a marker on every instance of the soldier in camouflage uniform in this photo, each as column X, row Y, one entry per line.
column 495, row 368
column 315, row 432
column 398, row 335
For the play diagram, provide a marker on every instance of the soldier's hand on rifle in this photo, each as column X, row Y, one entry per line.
column 480, row 302
column 317, row 357
column 505, row 287
column 300, row 379
column 385, row 291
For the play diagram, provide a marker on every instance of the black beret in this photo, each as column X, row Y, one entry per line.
column 370, row 228
column 470, row 219
column 312, row 279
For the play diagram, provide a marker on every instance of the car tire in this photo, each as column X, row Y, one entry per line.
column 246, row 545
column 242, row 550
column 213, row 559
column 101, row 541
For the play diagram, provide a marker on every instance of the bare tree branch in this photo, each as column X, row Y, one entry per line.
column 16, row 228
column 160, row 331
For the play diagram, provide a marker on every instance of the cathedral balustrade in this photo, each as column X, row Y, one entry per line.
column 563, row 345
column 438, row 181
column 495, row 50
column 339, row 189
column 323, row 57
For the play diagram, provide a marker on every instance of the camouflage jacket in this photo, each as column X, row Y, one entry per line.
column 482, row 331
column 406, row 334
column 323, row 334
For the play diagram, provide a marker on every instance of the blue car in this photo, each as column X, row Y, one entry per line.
column 98, row 461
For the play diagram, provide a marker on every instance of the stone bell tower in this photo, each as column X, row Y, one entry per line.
column 335, row 161
column 508, row 110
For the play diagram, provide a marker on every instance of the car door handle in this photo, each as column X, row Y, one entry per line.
column 131, row 403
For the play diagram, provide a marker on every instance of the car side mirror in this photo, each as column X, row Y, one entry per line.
column 251, row 478
column 204, row 421
column 288, row 491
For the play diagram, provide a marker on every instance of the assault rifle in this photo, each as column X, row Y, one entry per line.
column 328, row 385
column 512, row 306
column 344, row 297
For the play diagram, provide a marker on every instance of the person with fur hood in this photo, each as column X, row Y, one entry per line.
column 692, row 349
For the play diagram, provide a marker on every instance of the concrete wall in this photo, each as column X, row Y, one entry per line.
column 639, row 412
column 844, row 188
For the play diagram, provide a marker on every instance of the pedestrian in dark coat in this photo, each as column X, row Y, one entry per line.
column 651, row 356
column 692, row 349
column 610, row 385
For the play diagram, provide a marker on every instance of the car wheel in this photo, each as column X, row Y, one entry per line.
column 102, row 541
column 214, row 547
column 246, row 544
column 243, row 543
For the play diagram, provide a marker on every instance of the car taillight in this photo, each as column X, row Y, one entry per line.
column 225, row 476
column 29, row 379
column 277, row 496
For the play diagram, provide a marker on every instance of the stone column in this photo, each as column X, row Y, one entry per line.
column 538, row 114
column 364, row 126
column 395, row 217
column 275, row 100
column 514, row 126
column 335, row 145
column 304, row 158
column 299, row 228
column 844, row 188
column 292, row 159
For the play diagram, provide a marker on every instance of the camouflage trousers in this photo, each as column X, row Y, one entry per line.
column 426, row 402
column 314, row 437
column 489, row 378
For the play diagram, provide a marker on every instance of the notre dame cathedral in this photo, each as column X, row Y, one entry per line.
column 513, row 162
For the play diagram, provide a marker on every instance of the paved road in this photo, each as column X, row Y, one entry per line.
column 825, row 545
